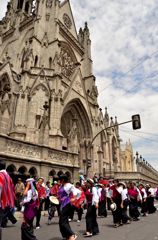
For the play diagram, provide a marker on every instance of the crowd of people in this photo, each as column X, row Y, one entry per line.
column 94, row 196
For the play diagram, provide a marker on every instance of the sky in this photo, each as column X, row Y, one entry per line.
column 124, row 37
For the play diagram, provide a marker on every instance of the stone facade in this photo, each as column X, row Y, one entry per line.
column 49, row 112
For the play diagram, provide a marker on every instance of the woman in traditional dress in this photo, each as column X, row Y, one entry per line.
column 66, row 190
column 117, row 199
column 144, row 198
column 92, row 198
column 134, row 198
column 102, row 200
column 30, row 205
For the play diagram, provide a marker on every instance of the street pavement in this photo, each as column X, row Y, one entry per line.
column 145, row 229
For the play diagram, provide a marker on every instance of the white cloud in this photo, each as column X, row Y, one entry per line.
column 124, row 36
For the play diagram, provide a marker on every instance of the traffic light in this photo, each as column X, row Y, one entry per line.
column 89, row 163
column 136, row 124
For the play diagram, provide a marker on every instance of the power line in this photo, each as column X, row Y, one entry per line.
column 130, row 70
column 128, row 91
column 149, row 139
column 141, row 132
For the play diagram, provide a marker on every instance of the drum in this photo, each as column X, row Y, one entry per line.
column 54, row 200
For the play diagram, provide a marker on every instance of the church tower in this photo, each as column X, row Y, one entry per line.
column 49, row 112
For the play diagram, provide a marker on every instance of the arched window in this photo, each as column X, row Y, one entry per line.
column 20, row 4
column 50, row 62
column 27, row 7
column 36, row 61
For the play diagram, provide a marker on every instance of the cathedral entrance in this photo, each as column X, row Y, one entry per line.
column 75, row 127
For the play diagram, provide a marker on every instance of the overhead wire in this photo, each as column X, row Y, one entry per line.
column 131, row 69
column 131, row 133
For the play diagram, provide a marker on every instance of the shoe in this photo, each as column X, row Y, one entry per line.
column 88, row 235
column 116, row 225
column 49, row 221
column 78, row 221
column 128, row 222
column 38, row 227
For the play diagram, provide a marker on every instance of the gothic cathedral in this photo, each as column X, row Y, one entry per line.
column 49, row 113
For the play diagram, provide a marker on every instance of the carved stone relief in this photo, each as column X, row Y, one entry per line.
column 5, row 96
column 20, row 149
column 67, row 21
column 63, row 62
column 27, row 58
column 49, row 3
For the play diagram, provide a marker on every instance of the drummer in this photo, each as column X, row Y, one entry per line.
column 66, row 189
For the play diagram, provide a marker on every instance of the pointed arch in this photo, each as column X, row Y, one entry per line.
column 75, row 111
column 11, row 169
column 41, row 86
column 33, row 172
column 68, row 48
column 22, row 170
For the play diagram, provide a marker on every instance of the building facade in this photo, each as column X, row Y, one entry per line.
column 49, row 113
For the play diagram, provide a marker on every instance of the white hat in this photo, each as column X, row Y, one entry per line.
column 113, row 206
column 30, row 180
column 89, row 180
column 54, row 200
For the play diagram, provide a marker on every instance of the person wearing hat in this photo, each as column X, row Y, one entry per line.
column 41, row 197
column 135, row 198
column 66, row 190
column 92, row 198
column 115, row 194
column 19, row 189
column 30, row 205
column 102, row 200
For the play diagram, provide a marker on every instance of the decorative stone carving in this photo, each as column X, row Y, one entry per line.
column 27, row 58
column 45, row 40
column 67, row 21
column 5, row 97
column 22, row 150
column 63, row 62
column 49, row 3
column 73, row 137
column 94, row 93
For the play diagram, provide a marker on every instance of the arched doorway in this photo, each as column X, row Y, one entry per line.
column 52, row 173
column 12, row 171
column 23, row 173
column 68, row 174
column 33, row 172
column 76, row 128
column 60, row 173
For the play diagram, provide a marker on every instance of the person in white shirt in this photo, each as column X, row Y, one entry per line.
column 92, row 199
column 124, row 204
column 150, row 199
column 144, row 199
column 30, row 205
